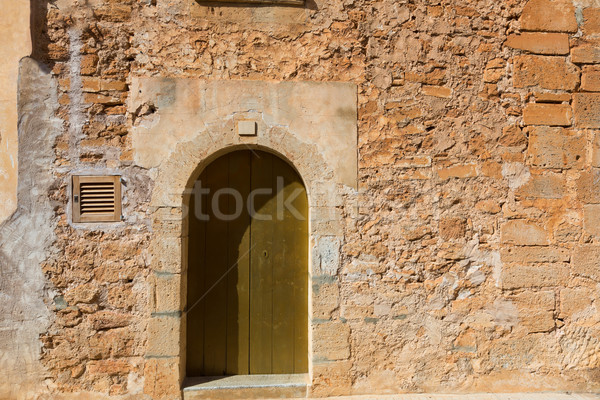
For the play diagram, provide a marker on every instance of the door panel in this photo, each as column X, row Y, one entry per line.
column 248, row 276
column 261, row 266
column 195, row 289
column 215, row 269
column 238, row 328
column 286, row 259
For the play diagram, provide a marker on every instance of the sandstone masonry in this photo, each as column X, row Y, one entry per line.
column 459, row 252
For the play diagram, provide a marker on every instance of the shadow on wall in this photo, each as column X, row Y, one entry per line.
column 40, row 40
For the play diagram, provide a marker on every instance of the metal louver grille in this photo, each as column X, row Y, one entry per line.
column 96, row 198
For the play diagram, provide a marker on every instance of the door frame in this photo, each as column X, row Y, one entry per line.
column 165, row 353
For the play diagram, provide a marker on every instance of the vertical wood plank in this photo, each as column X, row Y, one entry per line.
column 284, row 264
column 195, row 288
column 261, row 283
column 238, row 313
column 118, row 198
column 216, row 266
column 299, row 266
column 76, row 206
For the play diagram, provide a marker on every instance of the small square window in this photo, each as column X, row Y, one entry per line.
column 96, row 198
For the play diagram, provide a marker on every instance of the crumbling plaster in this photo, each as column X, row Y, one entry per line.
column 27, row 239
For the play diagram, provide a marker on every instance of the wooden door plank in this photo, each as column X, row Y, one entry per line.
column 216, row 266
column 261, row 285
column 238, row 313
column 299, row 247
column 284, row 265
column 195, row 289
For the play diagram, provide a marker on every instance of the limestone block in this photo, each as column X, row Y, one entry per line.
column 108, row 319
column 331, row 379
column 161, row 378
column 516, row 276
column 574, row 300
column 591, row 219
column 586, row 261
column 534, row 254
column 326, row 255
column 86, row 293
column 326, row 297
column 164, row 336
column 547, row 114
column 537, row 321
column 167, row 292
column 540, row 300
column 586, row 52
column 591, row 21
column 452, row 228
column 365, row 264
column 540, row 43
column 588, row 186
column 15, row 29
column 542, row 185
column 556, row 148
column 523, row 233
column 546, row 72
column 331, row 341
column 457, row 171
column 590, row 80
column 167, row 254
column 587, row 110
column 549, row 15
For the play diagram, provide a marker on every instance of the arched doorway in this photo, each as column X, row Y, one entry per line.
column 247, row 286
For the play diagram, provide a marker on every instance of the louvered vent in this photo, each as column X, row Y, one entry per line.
column 96, row 198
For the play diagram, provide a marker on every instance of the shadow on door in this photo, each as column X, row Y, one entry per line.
column 247, row 268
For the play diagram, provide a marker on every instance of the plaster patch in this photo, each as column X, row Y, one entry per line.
column 517, row 174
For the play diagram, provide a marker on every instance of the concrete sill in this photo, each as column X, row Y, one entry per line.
column 246, row 387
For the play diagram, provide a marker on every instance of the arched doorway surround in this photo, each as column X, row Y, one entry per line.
column 176, row 146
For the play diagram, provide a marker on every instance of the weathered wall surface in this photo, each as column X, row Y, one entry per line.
column 470, row 252
column 27, row 239
column 16, row 43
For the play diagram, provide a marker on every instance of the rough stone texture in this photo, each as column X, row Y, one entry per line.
column 587, row 110
column 456, row 253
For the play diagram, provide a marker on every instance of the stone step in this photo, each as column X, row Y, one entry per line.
column 246, row 387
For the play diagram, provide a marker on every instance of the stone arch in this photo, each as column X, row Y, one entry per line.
column 166, row 342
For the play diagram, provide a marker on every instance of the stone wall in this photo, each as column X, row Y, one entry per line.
column 469, row 252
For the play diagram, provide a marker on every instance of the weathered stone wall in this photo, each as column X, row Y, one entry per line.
column 469, row 253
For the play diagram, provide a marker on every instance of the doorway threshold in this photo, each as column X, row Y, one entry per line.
column 276, row 386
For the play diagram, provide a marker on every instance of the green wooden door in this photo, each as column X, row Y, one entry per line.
column 248, row 268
